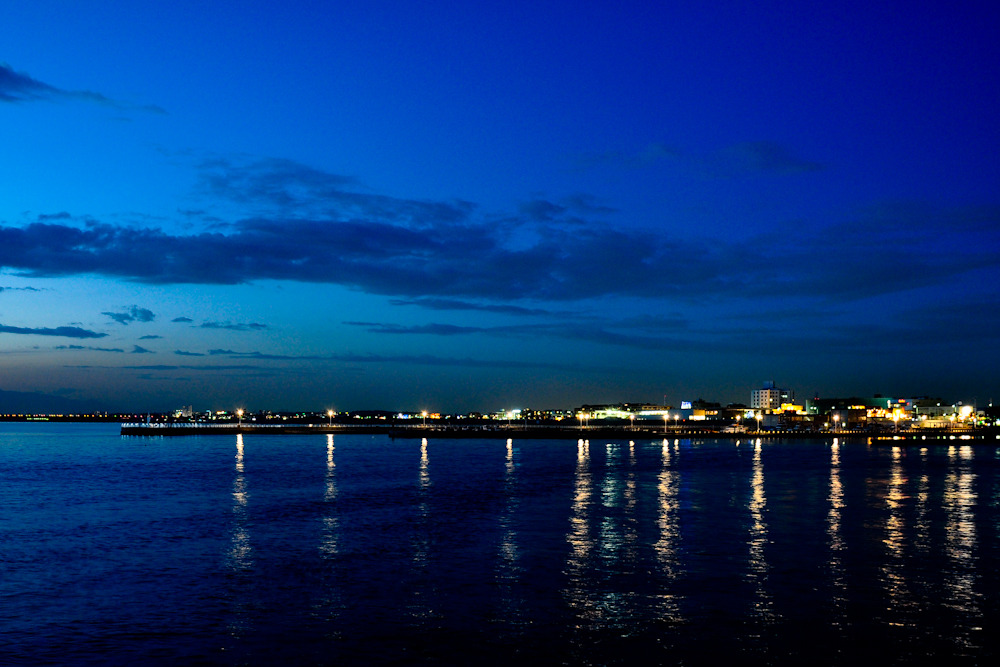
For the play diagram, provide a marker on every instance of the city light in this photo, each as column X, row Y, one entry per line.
column 902, row 417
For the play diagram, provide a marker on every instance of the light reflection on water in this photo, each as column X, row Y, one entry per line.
column 668, row 540
column 329, row 544
column 508, row 568
column 420, row 606
column 922, row 522
column 241, row 553
column 580, row 542
column 329, row 601
column 901, row 601
column 835, row 537
column 757, row 566
column 241, row 560
column 960, row 545
column 579, row 534
column 618, row 536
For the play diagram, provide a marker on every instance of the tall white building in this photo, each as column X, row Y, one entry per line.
column 770, row 397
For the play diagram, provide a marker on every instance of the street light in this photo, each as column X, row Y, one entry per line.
column 666, row 416
column 239, row 415
column 759, row 416
column 329, row 414
column 676, row 417
column 836, row 422
column 424, row 415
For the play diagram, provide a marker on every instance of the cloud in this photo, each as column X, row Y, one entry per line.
column 373, row 256
column 586, row 204
column 454, row 304
column 569, row 211
column 66, row 332
column 433, row 329
column 756, row 157
column 737, row 160
column 279, row 185
column 150, row 337
column 132, row 314
column 612, row 334
column 541, row 210
column 184, row 353
column 19, row 289
column 136, row 349
column 182, row 319
column 402, row 250
column 265, row 356
column 923, row 325
column 46, row 217
column 431, row 360
column 92, row 349
column 229, row 326
column 168, row 367
column 17, row 87
column 647, row 156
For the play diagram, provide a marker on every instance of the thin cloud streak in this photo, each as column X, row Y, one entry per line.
column 18, row 87
column 738, row 160
column 454, row 304
column 169, row 367
column 66, row 332
column 229, row 326
column 431, row 360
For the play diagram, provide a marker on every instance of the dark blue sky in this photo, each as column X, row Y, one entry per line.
column 459, row 206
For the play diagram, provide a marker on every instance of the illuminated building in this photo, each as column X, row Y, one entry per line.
column 770, row 397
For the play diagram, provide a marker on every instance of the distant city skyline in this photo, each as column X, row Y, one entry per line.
column 13, row 403
column 474, row 207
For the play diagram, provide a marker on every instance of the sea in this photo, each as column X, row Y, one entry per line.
column 362, row 549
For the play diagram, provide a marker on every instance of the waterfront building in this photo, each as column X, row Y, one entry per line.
column 627, row 411
column 770, row 397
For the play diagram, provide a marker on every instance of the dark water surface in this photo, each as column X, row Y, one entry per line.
column 360, row 549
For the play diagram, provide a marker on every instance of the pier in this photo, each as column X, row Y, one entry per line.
column 544, row 431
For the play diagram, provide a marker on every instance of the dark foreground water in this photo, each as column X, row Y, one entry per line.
column 359, row 549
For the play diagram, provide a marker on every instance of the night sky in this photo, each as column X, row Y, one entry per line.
column 475, row 206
